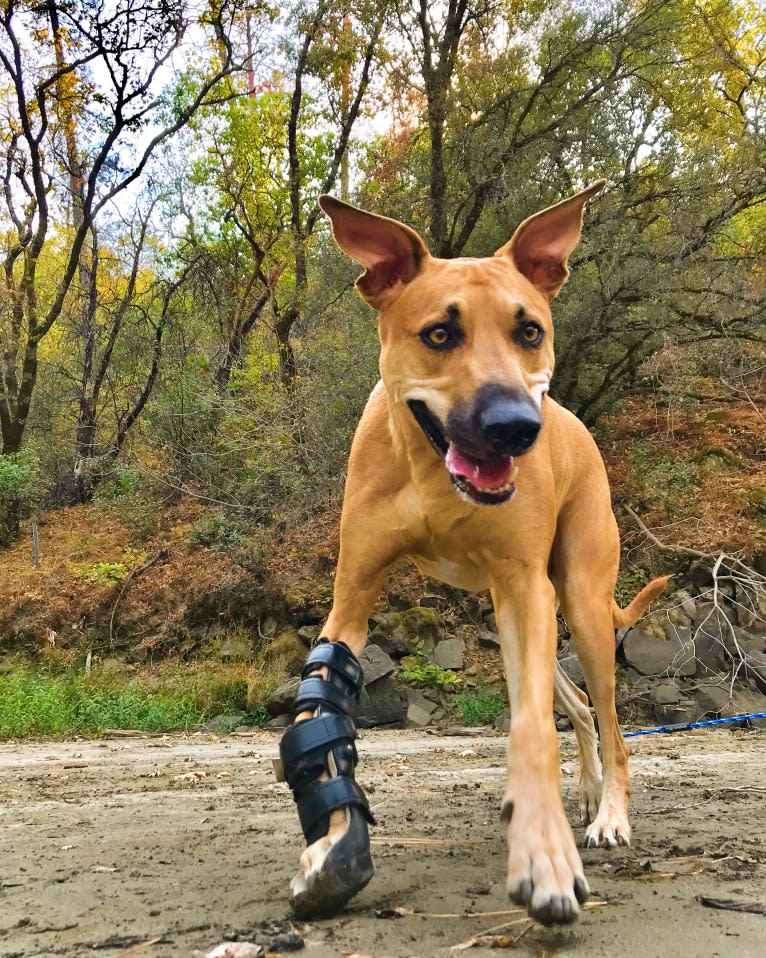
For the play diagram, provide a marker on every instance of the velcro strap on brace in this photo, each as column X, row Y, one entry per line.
column 316, row 804
column 336, row 656
column 339, row 692
column 304, row 748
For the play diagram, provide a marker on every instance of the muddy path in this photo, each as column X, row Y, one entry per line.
column 165, row 846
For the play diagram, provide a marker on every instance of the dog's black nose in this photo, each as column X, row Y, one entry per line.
column 509, row 425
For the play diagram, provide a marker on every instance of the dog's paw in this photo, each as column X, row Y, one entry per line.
column 609, row 828
column 544, row 868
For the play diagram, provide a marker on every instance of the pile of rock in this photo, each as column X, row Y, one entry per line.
column 700, row 657
column 418, row 634
column 695, row 657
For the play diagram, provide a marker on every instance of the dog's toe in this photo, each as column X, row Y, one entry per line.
column 556, row 910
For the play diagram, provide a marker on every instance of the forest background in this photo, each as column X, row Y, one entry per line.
column 182, row 348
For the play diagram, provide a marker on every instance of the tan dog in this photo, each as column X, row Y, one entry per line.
column 463, row 463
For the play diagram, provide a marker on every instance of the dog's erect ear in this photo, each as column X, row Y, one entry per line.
column 390, row 252
column 540, row 247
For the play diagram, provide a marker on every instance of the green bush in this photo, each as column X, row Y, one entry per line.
column 19, row 491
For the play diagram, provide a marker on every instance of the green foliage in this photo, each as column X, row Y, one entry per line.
column 124, row 481
column 756, row 501
column 109, row 573
column 36, row 703
column 630, row 581
column 480, row 707
column 19, row 491
column 659, row 480
column 419, row 670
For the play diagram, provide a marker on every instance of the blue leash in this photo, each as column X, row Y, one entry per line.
column 683, row 726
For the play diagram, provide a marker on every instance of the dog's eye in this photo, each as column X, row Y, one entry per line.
column 531, row 334
column 439, row 337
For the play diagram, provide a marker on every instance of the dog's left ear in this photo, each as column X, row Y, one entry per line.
column 390, row 252
column 540, row 247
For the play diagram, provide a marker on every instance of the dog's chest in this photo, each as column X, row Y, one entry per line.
column 464, row 574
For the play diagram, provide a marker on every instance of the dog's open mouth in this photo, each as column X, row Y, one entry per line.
column 486, row 481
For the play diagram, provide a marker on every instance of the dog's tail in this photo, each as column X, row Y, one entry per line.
column 624, row 618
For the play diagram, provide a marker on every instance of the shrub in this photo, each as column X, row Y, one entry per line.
column 19, row 491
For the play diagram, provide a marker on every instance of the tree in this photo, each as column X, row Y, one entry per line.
column 105, row 73
column 509, row 106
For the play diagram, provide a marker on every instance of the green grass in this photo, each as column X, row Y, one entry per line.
column 480, row 707
column 44, row 704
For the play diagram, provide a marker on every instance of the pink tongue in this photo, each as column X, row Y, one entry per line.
column 482, row 475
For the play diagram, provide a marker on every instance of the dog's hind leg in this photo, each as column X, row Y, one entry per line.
column 586, row 559
column 318, row 750
column 570, row 700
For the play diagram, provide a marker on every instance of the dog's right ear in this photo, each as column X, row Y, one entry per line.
column 391, row 253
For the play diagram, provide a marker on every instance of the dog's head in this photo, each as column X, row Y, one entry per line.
column 466, row 344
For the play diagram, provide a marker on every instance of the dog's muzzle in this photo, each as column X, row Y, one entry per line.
column 480, row 441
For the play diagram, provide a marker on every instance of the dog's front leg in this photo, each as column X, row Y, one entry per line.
column 318, row 750
column 544, row 868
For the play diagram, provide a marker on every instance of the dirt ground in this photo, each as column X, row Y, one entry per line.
column 167, row 846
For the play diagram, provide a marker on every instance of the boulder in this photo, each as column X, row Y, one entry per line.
column 570, row 664
column 225, row 723
column 381, row 703
column 403, row 633
column 755, row 669
column 280, row 721
column 282, row 698
column 489, row 640
column 376, row 664
column 712, row 699
column 308, row 634
column 666, row 693
column 448, row 654
column 419, row 709
column 503, row 721
column 287, row 651
column 678, row 714
column 651, row 656
column 744, row 702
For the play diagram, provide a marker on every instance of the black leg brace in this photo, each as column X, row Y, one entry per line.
column 305, row 745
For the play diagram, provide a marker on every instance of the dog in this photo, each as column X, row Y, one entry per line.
column 464, row 463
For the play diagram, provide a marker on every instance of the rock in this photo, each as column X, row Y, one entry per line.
column 225, row 723
column 381, row 703
column 403, row 633
column 236, row 949
column 489, row 640
column 419, row 710
column 678, row 714
column 286, row 651
column 755, row 669
column 655, row 624
column 375, row 664
column 652, row 657
column 710, row 652
column 448, row 654
column 744, row 702
column 570, row 664
column 282, row 698
column 563, row 724
column 712, row 699
column 280, row 721
column 683, row 600
column 503, row 721
column 666, row 693
column 308, row 634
